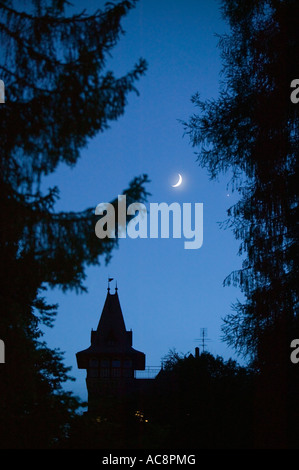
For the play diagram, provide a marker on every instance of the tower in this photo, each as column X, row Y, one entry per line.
column 110, row 360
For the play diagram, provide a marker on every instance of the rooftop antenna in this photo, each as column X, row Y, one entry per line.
column 203, row 338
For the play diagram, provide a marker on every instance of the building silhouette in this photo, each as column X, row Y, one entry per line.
column 110, row 360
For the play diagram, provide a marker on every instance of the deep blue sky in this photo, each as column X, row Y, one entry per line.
column 167, row 293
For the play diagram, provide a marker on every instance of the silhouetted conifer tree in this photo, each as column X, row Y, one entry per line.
column 58, row 96
column 252, row 131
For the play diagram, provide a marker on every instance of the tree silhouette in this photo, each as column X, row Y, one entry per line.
column 252, row 131
column 58, row 96
column 199, row 402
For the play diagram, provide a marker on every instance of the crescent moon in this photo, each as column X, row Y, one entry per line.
column 179, row 182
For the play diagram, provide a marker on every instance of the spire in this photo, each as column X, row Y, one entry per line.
column 111, row 337
column 111, row 326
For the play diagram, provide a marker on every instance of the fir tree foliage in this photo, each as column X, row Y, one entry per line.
column 251, row 130
column 59, row 95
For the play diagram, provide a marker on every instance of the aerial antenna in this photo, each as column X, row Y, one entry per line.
column 203, row 338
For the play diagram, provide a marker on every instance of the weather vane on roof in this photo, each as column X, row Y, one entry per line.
column 109, row 280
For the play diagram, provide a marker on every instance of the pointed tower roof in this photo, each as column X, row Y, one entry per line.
column 111, row 325
column 111, row 337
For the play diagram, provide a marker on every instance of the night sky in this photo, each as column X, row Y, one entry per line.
column 167, row 293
